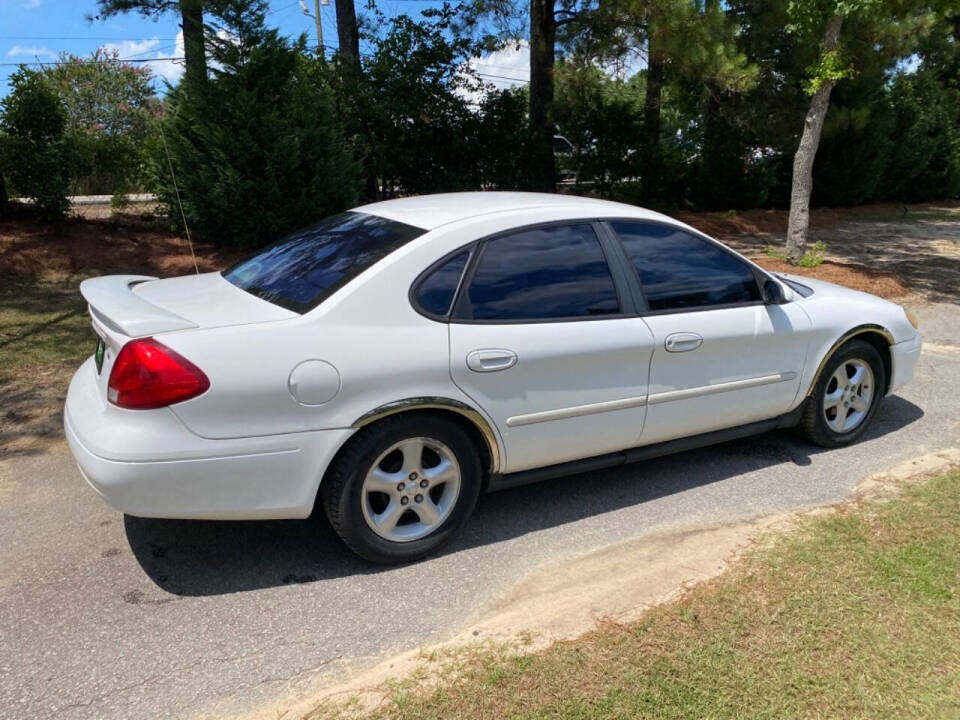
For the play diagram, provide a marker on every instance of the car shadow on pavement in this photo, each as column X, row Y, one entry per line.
column 199, row 558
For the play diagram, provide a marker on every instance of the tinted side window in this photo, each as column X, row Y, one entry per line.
column 550, row 272
column 306, row 267
column 679, row 270
column 435, row 292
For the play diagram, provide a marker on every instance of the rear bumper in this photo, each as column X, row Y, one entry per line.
column 904, row 356
column 147, row 463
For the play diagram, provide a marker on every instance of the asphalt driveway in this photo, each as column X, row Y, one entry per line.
column 105, row 616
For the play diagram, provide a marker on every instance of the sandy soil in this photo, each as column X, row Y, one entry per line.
column 615, row 584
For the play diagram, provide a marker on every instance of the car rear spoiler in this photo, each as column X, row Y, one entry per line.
column 113, row 302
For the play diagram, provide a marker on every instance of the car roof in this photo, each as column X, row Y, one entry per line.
column 432, row 211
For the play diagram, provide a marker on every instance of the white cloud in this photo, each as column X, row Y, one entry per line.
column 31, row 52
column 169, row 70
column 510, row 66
column 506, row 67
column 126, row 49
column 502, row 69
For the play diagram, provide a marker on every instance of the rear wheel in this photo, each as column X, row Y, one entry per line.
column 846, row 396
column 402, row 488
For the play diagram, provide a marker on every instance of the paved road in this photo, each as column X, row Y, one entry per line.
column 103, row 616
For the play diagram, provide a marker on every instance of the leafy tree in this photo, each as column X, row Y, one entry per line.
column 855, row 145
column 34, row 154
column 257, row 150
column 683, row 43
column 541, row 23
column 924, row 160
column 844, row 31
column 191, row 22
column 503, row 139
column 110, row 108
column 408, row 112
column 603, row 118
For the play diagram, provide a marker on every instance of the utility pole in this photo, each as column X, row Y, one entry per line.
column 317, row 18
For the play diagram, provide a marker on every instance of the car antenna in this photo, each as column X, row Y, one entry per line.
column 179, row 201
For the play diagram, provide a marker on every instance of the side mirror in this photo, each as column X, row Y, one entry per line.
column 773, row 293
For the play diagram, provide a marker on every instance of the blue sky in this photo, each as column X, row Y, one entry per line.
column 34, row 31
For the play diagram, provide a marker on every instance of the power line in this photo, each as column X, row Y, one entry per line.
column 90, row 62
column 82, row 37
column 503, row 77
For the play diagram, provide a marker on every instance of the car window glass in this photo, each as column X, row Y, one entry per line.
column 435, row 292
column 679, row 270
column 558, row 271
column 306, row 267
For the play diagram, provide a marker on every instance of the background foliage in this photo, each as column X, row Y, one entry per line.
column 665, row 102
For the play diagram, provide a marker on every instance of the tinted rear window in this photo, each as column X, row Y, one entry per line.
column 303, row 269
column 435, row 292
column 557, row 271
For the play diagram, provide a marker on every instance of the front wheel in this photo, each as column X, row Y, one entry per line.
column 402, row 488
column 846, row 396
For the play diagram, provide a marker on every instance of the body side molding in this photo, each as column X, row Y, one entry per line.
column 687, row 393
column 577, row 411
column 653, row 399
column 437, row 403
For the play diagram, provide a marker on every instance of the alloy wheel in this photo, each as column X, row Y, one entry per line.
column 411, row 489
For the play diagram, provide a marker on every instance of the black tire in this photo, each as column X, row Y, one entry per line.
column 341, row 491
column 813, row 423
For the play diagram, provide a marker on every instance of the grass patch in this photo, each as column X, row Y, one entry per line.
column 44, row 327
column 854, row 615
column 45, row 335
column 811, row 258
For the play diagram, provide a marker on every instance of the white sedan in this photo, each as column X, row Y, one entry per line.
column 391, row 363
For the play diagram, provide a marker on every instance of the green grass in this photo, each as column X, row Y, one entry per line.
column 44, row 328
column 811, row 258
column 854, row 615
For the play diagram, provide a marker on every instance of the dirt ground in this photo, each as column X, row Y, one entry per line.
column 134, row 242
column 875, row 282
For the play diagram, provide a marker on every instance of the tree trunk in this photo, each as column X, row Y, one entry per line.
column 348, row 36
column 653, row 160
column 799, row 218
column 3, row 197
column 194, row 51
column 543, row 32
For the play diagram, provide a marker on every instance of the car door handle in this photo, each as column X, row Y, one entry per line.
column 682, row 342
column 491, row 360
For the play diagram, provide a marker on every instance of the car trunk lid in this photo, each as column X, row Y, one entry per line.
column 142, row 305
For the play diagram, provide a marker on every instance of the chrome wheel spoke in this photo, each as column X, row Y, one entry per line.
column 387, row 520
column 842, row 417
column 442, row 473
column 840, row 375
column 859, row 404
column 412, row 450
column 832, row 400
column 427, row 511
column 381, row 481
column 858, row 374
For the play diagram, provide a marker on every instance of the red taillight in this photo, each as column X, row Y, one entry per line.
column 147, row 374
